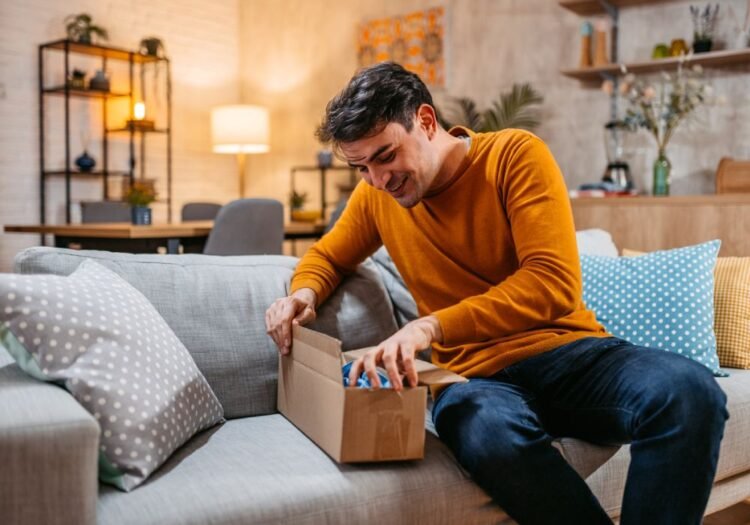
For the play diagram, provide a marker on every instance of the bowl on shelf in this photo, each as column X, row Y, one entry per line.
column 306, row 215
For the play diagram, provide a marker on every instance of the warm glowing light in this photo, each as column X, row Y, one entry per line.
column 240, row 129
column 139, row 111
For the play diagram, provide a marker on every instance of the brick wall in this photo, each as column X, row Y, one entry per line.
column 202, row 41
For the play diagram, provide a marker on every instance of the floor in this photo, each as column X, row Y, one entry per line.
column 736, row 515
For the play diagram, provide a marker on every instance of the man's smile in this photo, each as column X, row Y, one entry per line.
column 395, row 189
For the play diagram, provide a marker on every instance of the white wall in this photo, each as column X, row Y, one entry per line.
column 202, row 41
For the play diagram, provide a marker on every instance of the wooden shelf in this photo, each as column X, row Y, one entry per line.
column 730, row 57
column 85, row 93
column 137, row 130
column 94, row 173
column 101, row 51
column 594, row 7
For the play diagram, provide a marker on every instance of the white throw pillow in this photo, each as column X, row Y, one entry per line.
column 596, row 242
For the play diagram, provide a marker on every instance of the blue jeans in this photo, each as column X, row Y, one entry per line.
column 601, row 390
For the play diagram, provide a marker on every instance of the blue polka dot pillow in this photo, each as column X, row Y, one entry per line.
column 660, row 300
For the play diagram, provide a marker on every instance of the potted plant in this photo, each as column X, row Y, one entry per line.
column 80, row 29
column 139, row 196
column 704, row 25
column 151, row 46
column 296, row 203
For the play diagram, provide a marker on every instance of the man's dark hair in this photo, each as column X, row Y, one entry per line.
column 375, row 96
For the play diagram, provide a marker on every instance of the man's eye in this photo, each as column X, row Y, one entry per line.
column 362, row 169
column 388, row 158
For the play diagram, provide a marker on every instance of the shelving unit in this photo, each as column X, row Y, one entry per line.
column 322, row 173
column 714, row 59
column 730, row 57
column 67, row 92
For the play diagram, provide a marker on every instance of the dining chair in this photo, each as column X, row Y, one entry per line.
column 247, row 227
column 104, row 211
column 199, row 211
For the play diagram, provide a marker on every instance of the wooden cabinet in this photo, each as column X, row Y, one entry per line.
column 657, row 223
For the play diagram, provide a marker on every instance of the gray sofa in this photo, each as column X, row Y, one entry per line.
column 257, row 467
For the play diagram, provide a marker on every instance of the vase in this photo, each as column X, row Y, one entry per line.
column 99, row 82
column 85, row 162
column 662, row 173
column 140, row 215
column 325, row 159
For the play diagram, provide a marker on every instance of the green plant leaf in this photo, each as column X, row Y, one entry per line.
column 463, row 112
column 514, row 109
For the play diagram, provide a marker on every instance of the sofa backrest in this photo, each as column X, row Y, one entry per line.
column 216, row 306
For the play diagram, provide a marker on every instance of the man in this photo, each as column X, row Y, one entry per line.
column 481, row 229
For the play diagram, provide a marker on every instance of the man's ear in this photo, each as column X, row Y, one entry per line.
column 427, row 120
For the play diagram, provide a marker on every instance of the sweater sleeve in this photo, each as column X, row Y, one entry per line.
column 548, row 283
column 352, row 239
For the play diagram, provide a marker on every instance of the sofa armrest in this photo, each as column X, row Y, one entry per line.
column 48, row 453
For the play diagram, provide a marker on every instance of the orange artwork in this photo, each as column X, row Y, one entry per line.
column 415, row 40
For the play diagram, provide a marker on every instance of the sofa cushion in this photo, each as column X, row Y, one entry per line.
column 98, row 337
column 732, row 311
column 263, row 470
column 403, row 302
column 662, row 300
column 216, row 306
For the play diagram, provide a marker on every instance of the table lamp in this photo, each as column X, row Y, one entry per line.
column 240, row 129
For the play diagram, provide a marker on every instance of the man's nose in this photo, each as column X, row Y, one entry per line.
column 380, row 178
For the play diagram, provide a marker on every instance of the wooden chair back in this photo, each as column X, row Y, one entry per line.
column 733, row 176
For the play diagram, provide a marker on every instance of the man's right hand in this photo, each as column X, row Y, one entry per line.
column 298, row 308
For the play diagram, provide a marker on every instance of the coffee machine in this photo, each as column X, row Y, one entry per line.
column 617, row 171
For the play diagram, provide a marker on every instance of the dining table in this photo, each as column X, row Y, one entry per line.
column 151, row 238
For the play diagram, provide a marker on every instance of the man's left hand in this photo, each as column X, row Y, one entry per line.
column 396, row 354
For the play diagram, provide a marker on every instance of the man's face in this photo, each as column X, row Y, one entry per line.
column 399, row 162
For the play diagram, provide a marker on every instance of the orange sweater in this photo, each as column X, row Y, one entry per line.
column 492, row 254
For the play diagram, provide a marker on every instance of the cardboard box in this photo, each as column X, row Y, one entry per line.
column 352, row 424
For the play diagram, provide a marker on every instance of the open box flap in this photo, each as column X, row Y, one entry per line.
column 427, row 373
column 318, row 352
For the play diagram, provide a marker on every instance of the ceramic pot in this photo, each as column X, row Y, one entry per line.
column 140, row 215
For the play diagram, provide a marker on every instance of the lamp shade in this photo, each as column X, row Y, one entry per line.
column 240, row 129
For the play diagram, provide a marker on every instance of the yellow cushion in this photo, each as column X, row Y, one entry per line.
column 731, row 309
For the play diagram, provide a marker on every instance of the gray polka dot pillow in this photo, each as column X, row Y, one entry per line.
column 101, row 339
